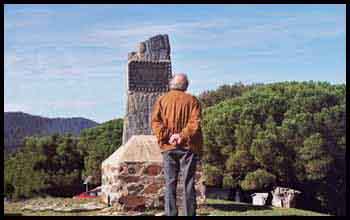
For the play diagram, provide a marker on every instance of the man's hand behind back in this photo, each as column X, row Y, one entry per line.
column 175, row 139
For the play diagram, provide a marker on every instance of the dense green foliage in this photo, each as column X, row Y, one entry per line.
column 294, row 132
column 44, row 165
column 289, row 134
column 209, row 98
column 57, row 164
column 258, row 180
column 96, row 144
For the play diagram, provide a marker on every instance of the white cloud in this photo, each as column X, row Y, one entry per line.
column 15, row 107
column 68, row 55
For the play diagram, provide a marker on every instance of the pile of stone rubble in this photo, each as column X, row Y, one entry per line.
column 281, row 197
column 92, row 206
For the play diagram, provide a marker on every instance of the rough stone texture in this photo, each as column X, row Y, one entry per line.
column 60, row 208
column 148, row 74
column 284, row 197
column 155, row 48
column 133, row 176
column 138, row 118
column 153, row 170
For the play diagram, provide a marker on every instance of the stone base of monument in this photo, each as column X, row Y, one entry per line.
column 133, row 176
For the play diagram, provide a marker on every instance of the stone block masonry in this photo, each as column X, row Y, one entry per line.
column 140, row 185
column 133, row 176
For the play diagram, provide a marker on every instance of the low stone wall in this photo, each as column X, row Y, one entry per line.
column 140, row 185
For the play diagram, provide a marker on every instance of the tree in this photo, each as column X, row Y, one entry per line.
column 213, row 175
column 258, row 180
column 239, row 164
column 213, row 97
column 314, row 157
column 295, row 131
column 55, row 165
column 97, row 144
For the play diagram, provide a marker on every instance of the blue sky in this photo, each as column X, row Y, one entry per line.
column 70, row 60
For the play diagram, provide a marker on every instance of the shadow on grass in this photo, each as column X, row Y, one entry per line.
column 237, row 207
column 12, row 214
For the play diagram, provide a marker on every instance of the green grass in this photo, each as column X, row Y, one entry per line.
column 228, row 208
column 212, row 207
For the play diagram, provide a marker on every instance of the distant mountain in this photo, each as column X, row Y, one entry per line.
column 18, row 125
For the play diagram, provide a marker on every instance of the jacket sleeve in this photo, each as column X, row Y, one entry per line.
column 194, row 123
column 161, row 132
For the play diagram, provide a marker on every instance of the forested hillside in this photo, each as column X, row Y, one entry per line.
column 212, row 97
column 57, row 165
column 18, row 125
column 288, row 134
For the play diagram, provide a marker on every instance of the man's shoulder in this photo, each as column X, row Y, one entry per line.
column 192, row 97
column 183, row 95
column 162, row 96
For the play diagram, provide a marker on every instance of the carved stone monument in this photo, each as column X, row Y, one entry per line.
column 154, row 49
column 148, row 74
column 133, row 176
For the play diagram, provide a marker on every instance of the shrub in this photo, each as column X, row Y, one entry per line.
column 229, row 182
column 213, row 175
column 258, row 180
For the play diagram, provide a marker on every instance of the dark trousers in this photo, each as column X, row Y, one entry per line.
column 175, row 161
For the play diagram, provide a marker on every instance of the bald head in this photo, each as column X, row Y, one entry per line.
column 179, row 82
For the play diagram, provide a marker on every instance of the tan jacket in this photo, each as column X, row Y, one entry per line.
column 178, row 112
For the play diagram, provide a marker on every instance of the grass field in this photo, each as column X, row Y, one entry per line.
column 211, row 208
column 229, row 208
